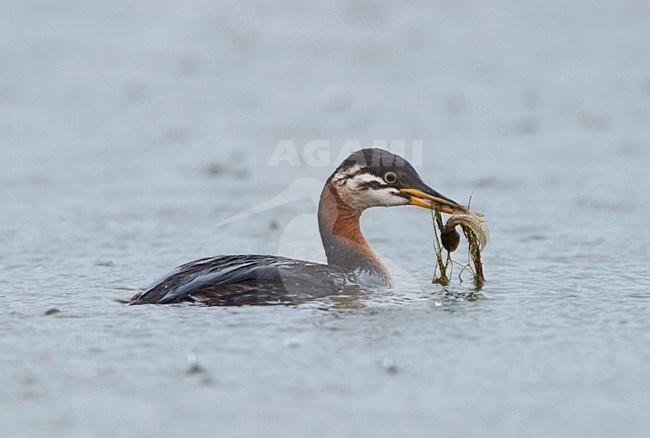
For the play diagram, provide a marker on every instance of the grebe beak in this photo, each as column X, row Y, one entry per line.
column 428, row 198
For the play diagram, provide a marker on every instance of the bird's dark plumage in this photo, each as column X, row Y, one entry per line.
column 244, row 279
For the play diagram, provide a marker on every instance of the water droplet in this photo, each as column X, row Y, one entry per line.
column 336, row 99
column 293, row 342
column 195, row 367
column 389, row 366
column 136, row 92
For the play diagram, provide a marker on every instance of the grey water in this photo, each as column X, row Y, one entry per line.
column 136, row 136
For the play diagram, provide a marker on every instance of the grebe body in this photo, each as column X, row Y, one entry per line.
column 367, row 178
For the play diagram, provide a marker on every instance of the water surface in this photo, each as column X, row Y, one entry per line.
column 129, row 133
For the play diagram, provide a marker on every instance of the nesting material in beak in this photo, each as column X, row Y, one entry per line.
column 476, row 234
column 474, row 229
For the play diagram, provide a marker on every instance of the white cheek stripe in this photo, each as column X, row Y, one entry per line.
column 350, row 182
column 365, row 178
column 390, row 196
column 347, row 173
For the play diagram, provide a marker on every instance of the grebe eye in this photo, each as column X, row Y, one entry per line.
column 390, row 177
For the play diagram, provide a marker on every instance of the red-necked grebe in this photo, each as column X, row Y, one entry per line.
column 367, row 178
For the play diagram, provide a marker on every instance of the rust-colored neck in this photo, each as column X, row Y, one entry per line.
column 344, row 243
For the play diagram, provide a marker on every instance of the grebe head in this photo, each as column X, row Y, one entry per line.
column 377, row 178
